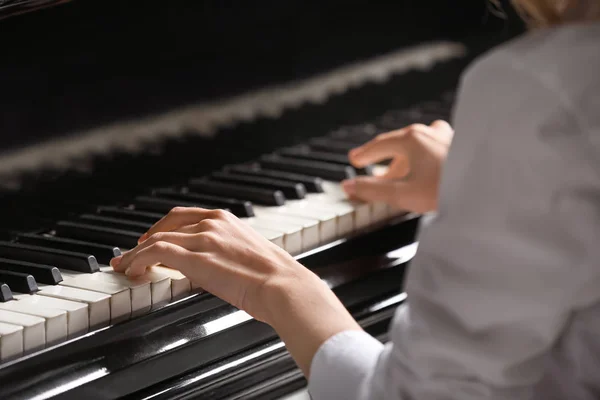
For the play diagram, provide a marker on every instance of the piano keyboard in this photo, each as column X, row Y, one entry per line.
column 56, row 284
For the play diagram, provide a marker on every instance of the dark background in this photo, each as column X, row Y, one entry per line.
column 90, row 62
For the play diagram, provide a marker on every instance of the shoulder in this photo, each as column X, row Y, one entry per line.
column 541, row 90
column 563, row 62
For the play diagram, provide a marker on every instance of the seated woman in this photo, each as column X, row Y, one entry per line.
column 504, row 293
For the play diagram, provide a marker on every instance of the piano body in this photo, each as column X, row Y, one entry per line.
column 114, row 112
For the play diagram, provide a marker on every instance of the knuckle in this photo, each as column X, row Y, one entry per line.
column 210, row 239
column 178, row 210
column 220, row 214
column 382, row 136
column 415, row 127
column 156, row 237
column 207, row 225
column 159, row 247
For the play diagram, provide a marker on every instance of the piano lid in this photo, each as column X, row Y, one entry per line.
column 84, row 65
column 9, row 8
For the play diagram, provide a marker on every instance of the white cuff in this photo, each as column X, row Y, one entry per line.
column 341, row 364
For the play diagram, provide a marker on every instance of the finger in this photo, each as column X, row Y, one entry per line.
column 164, row 253
column 187, row 241
column 373, row 189
column 399, row 168
column 442, row 129
column 383, row 147
column 177, row 218
column 441, row 124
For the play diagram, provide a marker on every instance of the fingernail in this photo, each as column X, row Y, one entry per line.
column 349, row 186
column 116, row 261
column 128, row 271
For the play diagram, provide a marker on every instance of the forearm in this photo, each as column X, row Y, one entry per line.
column 305, row 313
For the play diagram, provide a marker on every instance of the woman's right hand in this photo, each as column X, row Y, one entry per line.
column 412, row 178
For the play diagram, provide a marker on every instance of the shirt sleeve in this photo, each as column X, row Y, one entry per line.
column 508, row 258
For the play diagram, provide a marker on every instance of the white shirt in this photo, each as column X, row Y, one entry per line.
column 504, row 293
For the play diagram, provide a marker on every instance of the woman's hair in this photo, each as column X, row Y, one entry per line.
column 539, row 13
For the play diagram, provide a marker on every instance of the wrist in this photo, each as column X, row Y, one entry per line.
column 305, row 313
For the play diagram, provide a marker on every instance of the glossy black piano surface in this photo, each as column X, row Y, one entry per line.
column 85, row 64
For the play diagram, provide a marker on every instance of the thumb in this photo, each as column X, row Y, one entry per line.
column 372, row 189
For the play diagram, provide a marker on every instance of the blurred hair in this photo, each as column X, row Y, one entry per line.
column 541, row 13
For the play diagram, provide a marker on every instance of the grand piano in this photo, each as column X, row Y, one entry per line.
column 114, row 112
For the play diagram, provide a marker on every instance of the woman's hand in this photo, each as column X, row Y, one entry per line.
column 412, row 179
column 220, row 253
column 229, row 259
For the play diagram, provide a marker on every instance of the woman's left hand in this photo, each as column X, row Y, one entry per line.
column 219, row 253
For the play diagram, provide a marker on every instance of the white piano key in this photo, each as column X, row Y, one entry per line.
column 78, row 320
column 292, row 239
column 56, row 322
column 327, row 219
column 343, row 211
column 98, row 303
column 310, row 228
column 180, row 284
column 11, row 341
column 34, row 329
column 120, row 296
column 160, row 285
column 140, row 288
column 381, row 212
column 333, row 193
column 273, row 236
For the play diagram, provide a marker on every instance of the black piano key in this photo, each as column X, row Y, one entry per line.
column 116, row 223
column 305, row 153
column 132, row 215
column 312, row 184
column 242, row 209
column 103, row 253
column 19, row 282
column 47, row 274
column 291, row 190
column 260, row 196
column 98, row 234
column 70, row 260
column 164, row 205
column 331, row 145
column 5, row 293
column 328, row 171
